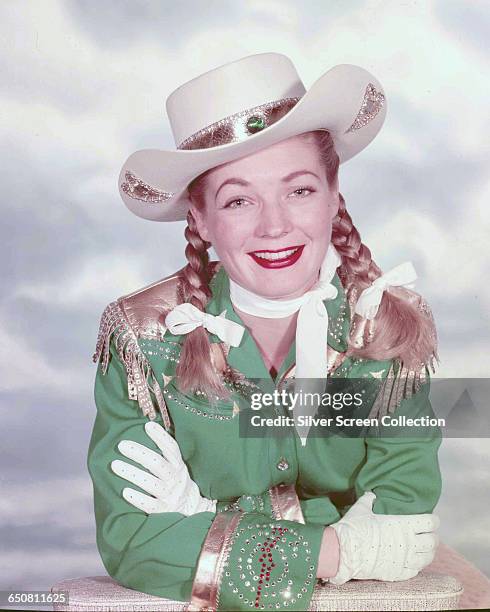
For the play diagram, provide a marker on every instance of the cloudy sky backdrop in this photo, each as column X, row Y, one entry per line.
column 83, row 85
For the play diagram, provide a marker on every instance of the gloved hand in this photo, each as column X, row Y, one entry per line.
column 383, row 546
column 167, row 480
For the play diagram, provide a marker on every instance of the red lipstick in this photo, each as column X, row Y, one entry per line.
column 266, row 258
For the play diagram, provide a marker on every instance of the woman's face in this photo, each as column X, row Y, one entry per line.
column 269, row 217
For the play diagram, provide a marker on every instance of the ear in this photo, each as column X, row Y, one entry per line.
column 200, row 219
column 335, row 200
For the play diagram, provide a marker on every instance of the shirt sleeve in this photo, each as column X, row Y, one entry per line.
column 154, row 553
column 402, row 466
column 159, row 553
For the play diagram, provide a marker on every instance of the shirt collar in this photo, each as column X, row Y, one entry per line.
column 247, row 358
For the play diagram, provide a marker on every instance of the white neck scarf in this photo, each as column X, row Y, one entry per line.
column 312, row 324
column 311, row 327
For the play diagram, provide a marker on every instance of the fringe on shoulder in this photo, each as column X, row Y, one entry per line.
column 400, row 383
column 403, row 379
column 142, row 383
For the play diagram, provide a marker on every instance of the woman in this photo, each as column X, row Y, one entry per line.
column 231, row 521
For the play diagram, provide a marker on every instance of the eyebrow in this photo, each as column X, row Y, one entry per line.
column 293, row 175
column 243, row 183
column 232, row 181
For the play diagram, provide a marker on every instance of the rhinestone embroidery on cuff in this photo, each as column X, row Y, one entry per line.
column 137, row 189
column 371, row 105
column 263, row 566
column 239, row 126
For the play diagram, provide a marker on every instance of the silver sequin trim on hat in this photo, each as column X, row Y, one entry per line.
column 139, row 190
column 371, row 105
column 239, row 126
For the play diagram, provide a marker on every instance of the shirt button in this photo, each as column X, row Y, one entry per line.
column 282, row 465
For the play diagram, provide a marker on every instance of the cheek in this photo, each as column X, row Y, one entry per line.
column 317, row 224
column 227, row 236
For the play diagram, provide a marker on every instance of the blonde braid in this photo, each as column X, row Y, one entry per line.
column 403, row 327
column 357, row 264
column 195, row 371
column 195, row 278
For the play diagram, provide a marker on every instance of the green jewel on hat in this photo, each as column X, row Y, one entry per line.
column 255, row 124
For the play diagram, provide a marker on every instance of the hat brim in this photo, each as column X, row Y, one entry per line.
column 332, row 103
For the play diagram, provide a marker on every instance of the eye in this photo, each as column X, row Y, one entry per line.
column 302, row 192
column 238, row 203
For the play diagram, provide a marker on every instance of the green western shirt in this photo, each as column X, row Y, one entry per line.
column 158, row 553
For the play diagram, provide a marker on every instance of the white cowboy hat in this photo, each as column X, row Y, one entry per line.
column 231, row 111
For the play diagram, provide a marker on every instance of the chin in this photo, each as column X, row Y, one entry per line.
column 277, row 290
column 277, row 284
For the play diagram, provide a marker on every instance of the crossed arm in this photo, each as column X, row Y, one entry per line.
column 152, row 546
column 361, row 545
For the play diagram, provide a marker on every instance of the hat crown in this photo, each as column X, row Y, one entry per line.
column 229, row 89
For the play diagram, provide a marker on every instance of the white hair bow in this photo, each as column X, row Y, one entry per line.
column 185, row 318
column 370, row 299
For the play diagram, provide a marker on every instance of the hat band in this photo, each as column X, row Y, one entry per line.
column 239, row 126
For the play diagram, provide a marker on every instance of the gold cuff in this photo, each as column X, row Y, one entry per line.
column 285, row 503
column 209, row 572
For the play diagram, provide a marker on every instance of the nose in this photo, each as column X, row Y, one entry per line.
column 274, row 221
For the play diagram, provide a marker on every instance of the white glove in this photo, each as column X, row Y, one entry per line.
column 168, row 482
column 383, row 546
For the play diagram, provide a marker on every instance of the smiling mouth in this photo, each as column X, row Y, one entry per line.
column 277, row 259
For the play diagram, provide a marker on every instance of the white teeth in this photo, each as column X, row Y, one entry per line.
column 278, row 255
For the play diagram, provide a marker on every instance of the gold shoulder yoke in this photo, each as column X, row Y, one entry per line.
column 140, row 314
